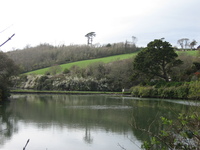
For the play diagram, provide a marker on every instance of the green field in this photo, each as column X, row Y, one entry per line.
column 85, row 63
column 192, row 53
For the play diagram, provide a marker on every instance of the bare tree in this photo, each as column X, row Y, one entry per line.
column 192, row 44
column 184, row 43
column 180, row 41
column 134, row 40
column 90, row 36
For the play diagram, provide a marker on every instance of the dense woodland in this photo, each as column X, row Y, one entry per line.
column 45, row 55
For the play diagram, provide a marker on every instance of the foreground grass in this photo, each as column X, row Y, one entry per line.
column 85, row 63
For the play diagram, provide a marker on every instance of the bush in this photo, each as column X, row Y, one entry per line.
column 54, row 69
column 66, row 71
column 44, row 83
column 182, row 91
column 23, row 77
column 143, row 91
column 194, row 90
column 169, row 90
column 63, row 82
column 135, row 91
column 182, row 133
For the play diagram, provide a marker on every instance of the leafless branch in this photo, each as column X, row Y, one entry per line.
column 7, row 40
column 26, row 144
column 121, row 146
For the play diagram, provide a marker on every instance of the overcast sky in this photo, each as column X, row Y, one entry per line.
column 67, row 22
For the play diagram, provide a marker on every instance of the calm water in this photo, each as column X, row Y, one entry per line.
column 81, row 122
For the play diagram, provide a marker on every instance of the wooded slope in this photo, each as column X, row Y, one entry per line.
column 45, row 55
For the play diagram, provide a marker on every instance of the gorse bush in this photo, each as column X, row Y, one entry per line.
column 100, row 76
column 67, row 83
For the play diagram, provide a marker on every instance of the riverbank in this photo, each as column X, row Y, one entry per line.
column 66, row 92
column 169, row 90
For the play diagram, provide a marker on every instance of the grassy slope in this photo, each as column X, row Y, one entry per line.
column 85, row 63
column 192, row 53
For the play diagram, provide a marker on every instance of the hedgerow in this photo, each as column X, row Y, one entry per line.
column 187, row 90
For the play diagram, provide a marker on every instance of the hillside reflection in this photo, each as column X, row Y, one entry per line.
column 86, row 112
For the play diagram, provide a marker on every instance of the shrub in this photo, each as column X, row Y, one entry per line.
column 143, row 91
column 161, row 90
column 44, row 83
column 182, row 133
column 66, row 71
column 135, row 91
column 182, row 91
column 23, row 77
column 55, row 69
column 194, row 90
column 168, row 92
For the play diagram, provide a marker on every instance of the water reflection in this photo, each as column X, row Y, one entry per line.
column 80, row 121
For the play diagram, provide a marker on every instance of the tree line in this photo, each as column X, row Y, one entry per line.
column 161, row 73
column 121, row 74
column 154, row 64
column 45, row 55
column 7, row 69
column 96, row 77
column 185, row 43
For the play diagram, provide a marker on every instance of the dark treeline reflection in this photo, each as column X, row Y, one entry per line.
column 8, row 124
column 88, row 112
column 73, row 111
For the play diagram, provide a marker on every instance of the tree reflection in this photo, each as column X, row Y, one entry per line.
column 88, row 138
column 8, row 124
column 147, row 116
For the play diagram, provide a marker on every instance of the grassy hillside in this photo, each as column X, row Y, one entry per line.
column 45, row 55
column 87, row 62
column 104, row 60
column 192, row 53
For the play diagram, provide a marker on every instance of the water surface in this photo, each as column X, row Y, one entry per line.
column 78, row 122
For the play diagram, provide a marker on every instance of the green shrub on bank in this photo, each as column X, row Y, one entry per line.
column 171, row 90
column 194, row 90
column 182, row 91
column 143, row 91
column 168, row 92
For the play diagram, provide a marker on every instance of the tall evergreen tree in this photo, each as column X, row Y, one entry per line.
column 156, row 60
